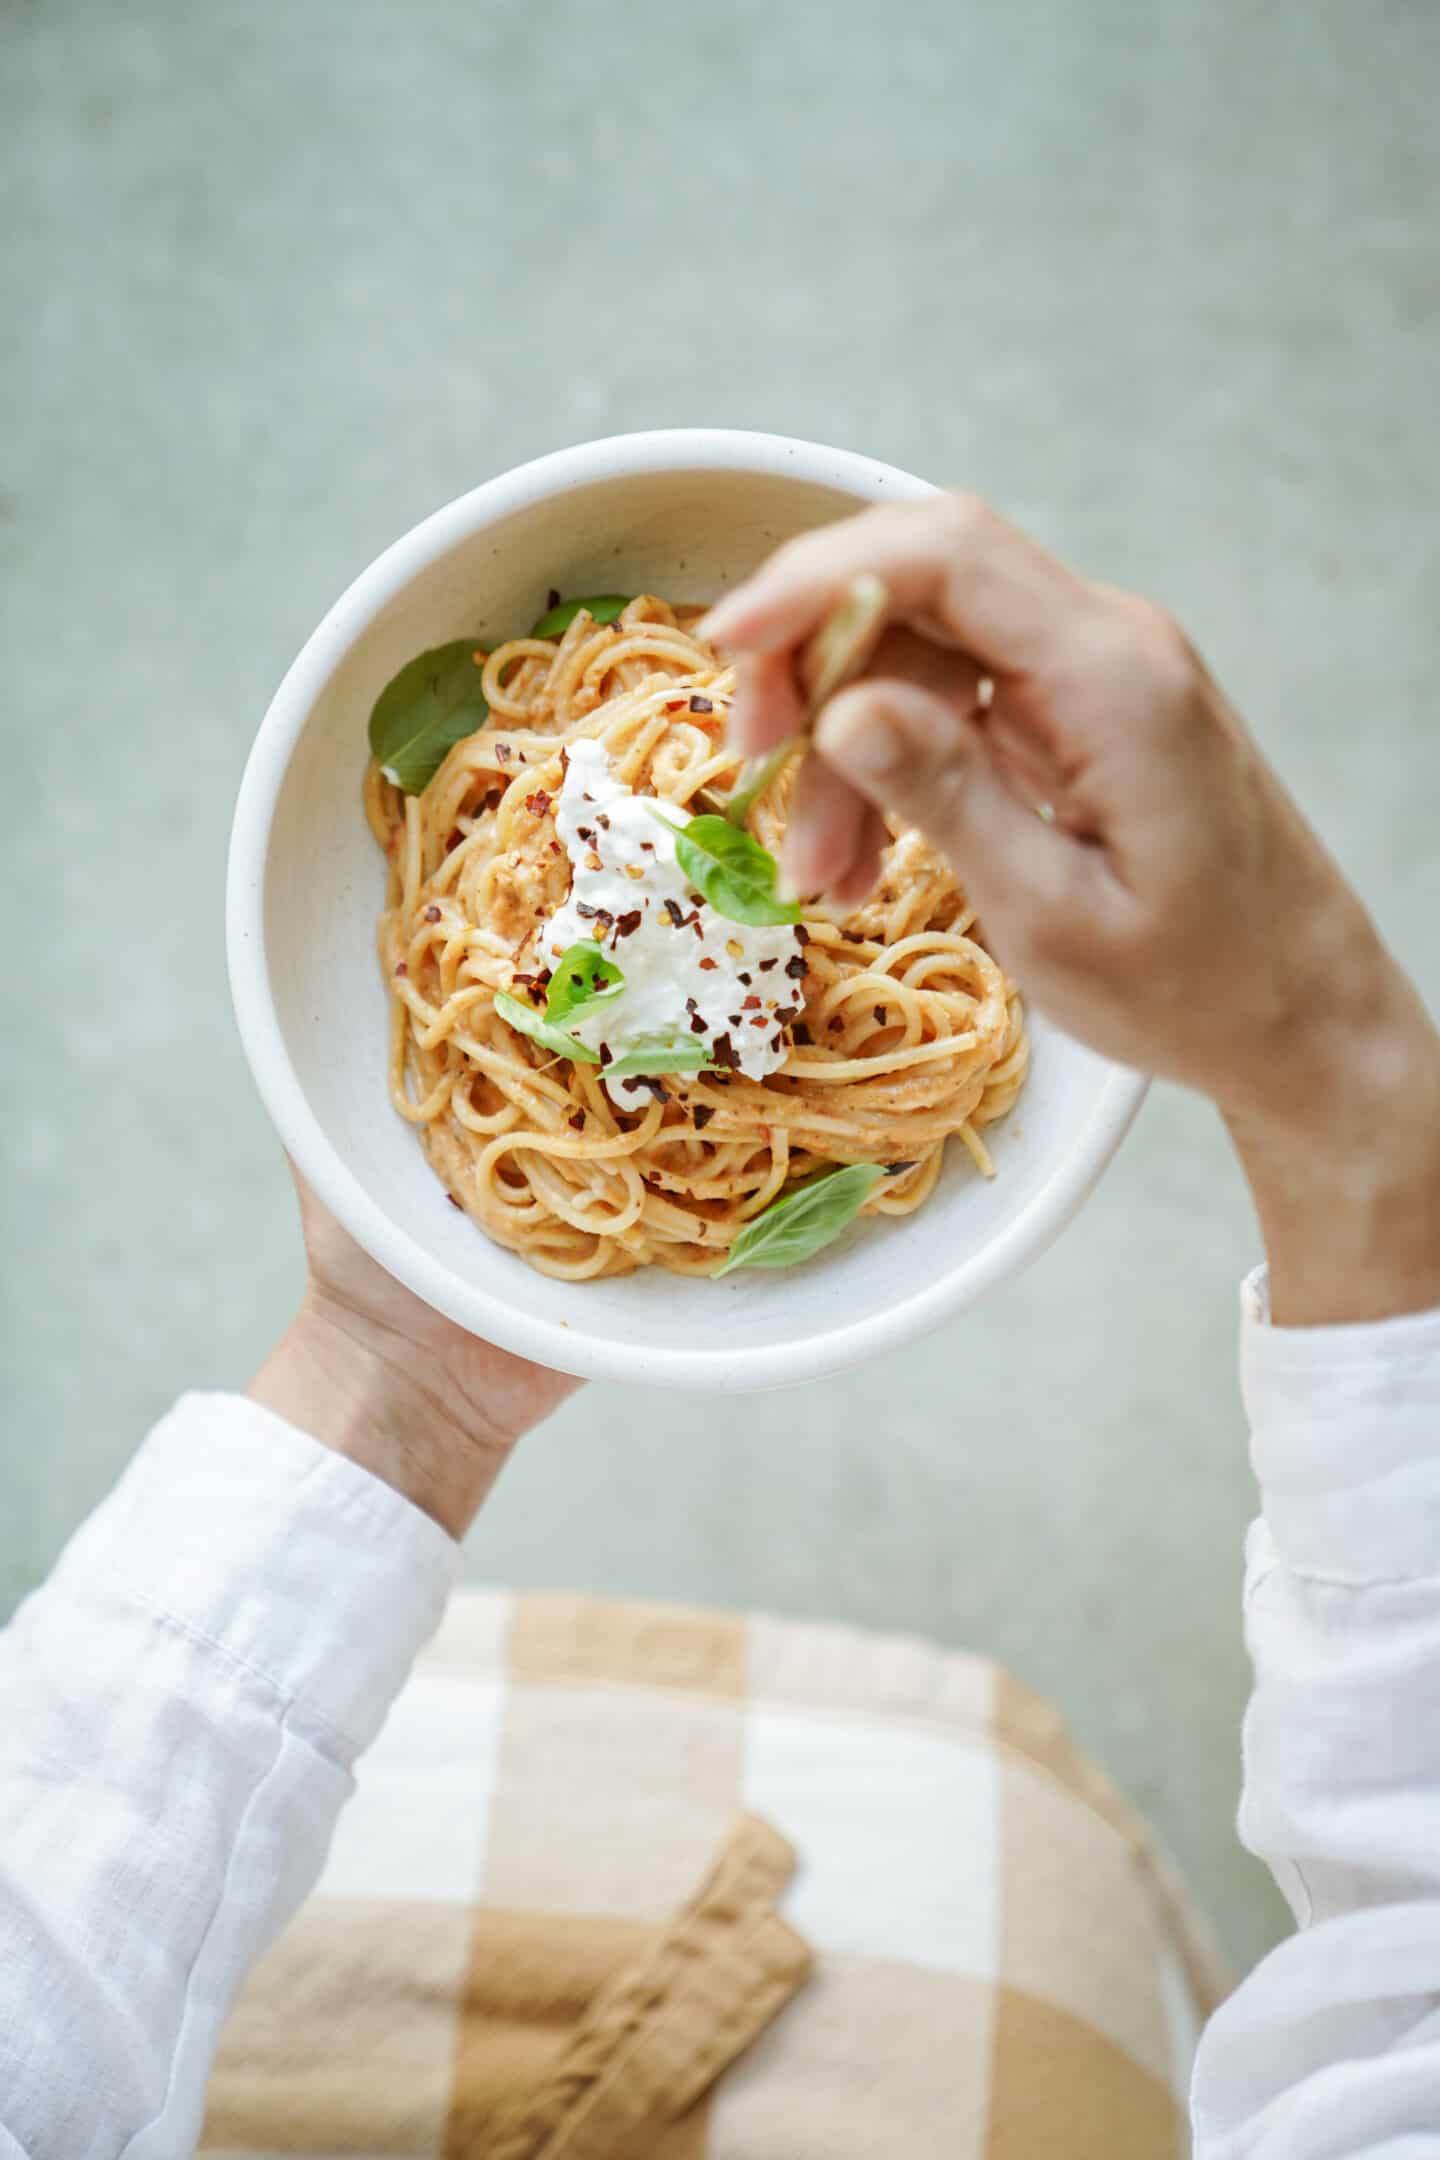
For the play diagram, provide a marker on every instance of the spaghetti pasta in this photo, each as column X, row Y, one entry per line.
column 909, row 1032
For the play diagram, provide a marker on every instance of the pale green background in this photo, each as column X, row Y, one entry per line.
column 280, row 279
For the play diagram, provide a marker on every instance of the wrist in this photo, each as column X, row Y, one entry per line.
column 1342, row 1155
column 358, row 1389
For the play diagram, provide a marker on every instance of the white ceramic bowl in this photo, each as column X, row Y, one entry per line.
column 686, row 512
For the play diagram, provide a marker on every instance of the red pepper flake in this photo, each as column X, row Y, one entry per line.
column 452, row 1199
column 586, row 833
column 402, row 969
column 801, row 1034
column 503, row 753
column 690, row 1005
column 707, row 962
column 699, row 1025
column 647, row 847
column 698, row 927
column 702, row 704
column 628, row 923
column 602, row 821
column 577, row 1123
column 606, row 1054
column 786, row 1014
column 766, row 965
column 555, row 848
column 493, row 799
column 733, row 1018
column 538, row 803
column 750, row 1004
column 723, row 1051
column 761, row 1021
column 797, row 968
column 674, row 704
column 802, row 935
column 676, row 913
column 648, row 1080
column 746, row 979
column 695, row 900
column 701, row 1116
column 879, row 1012
column 432, row 913
column 585, row 911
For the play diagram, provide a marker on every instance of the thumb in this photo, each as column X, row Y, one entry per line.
column 912, row 754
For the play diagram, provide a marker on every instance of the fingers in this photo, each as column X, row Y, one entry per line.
column 909, row 752
column 767, row 708
column 857, row 882
column 950, row 559
column 823, row 831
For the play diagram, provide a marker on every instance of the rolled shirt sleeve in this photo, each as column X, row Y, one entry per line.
column 184, row 1700
column 1332, row 2046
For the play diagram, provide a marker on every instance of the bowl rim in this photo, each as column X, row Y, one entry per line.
column 548, row 1342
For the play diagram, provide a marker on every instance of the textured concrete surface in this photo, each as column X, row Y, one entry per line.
column 1162, row 278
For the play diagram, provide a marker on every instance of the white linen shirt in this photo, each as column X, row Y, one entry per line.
column 183, row 1701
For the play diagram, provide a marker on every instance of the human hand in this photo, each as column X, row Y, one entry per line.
column 374, row 1372
column 1169, row 904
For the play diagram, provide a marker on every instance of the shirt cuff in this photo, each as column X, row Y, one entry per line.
column 1345, row 1440
column 237, row 1527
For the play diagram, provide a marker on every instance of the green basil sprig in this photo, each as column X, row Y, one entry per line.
column 803, row 1222
column 656, row 1054
column 582, row 979
column 601, row 607
column 735, row 874
column 433, row 703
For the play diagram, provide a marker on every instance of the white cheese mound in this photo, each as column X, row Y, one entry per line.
column 689, row 971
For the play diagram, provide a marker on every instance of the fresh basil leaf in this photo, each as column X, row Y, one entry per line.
column 524, row 1018
column 601, row 607
column 434, row 702
column 803, row 1222
column 583, row 979
column 654, row 1054
column 735, row 874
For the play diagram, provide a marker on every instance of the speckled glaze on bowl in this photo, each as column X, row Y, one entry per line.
column 686, row 512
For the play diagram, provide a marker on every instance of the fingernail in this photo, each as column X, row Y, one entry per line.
column 740, row 720
column 711, row 628
column 792, row 879
column 864, row 741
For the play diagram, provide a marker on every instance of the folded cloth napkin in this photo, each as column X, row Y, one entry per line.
column 656, row 2037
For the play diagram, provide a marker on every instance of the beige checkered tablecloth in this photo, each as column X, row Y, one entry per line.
column 1004, row 1967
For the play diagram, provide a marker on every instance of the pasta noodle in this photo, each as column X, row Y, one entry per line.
column 910, row 1032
